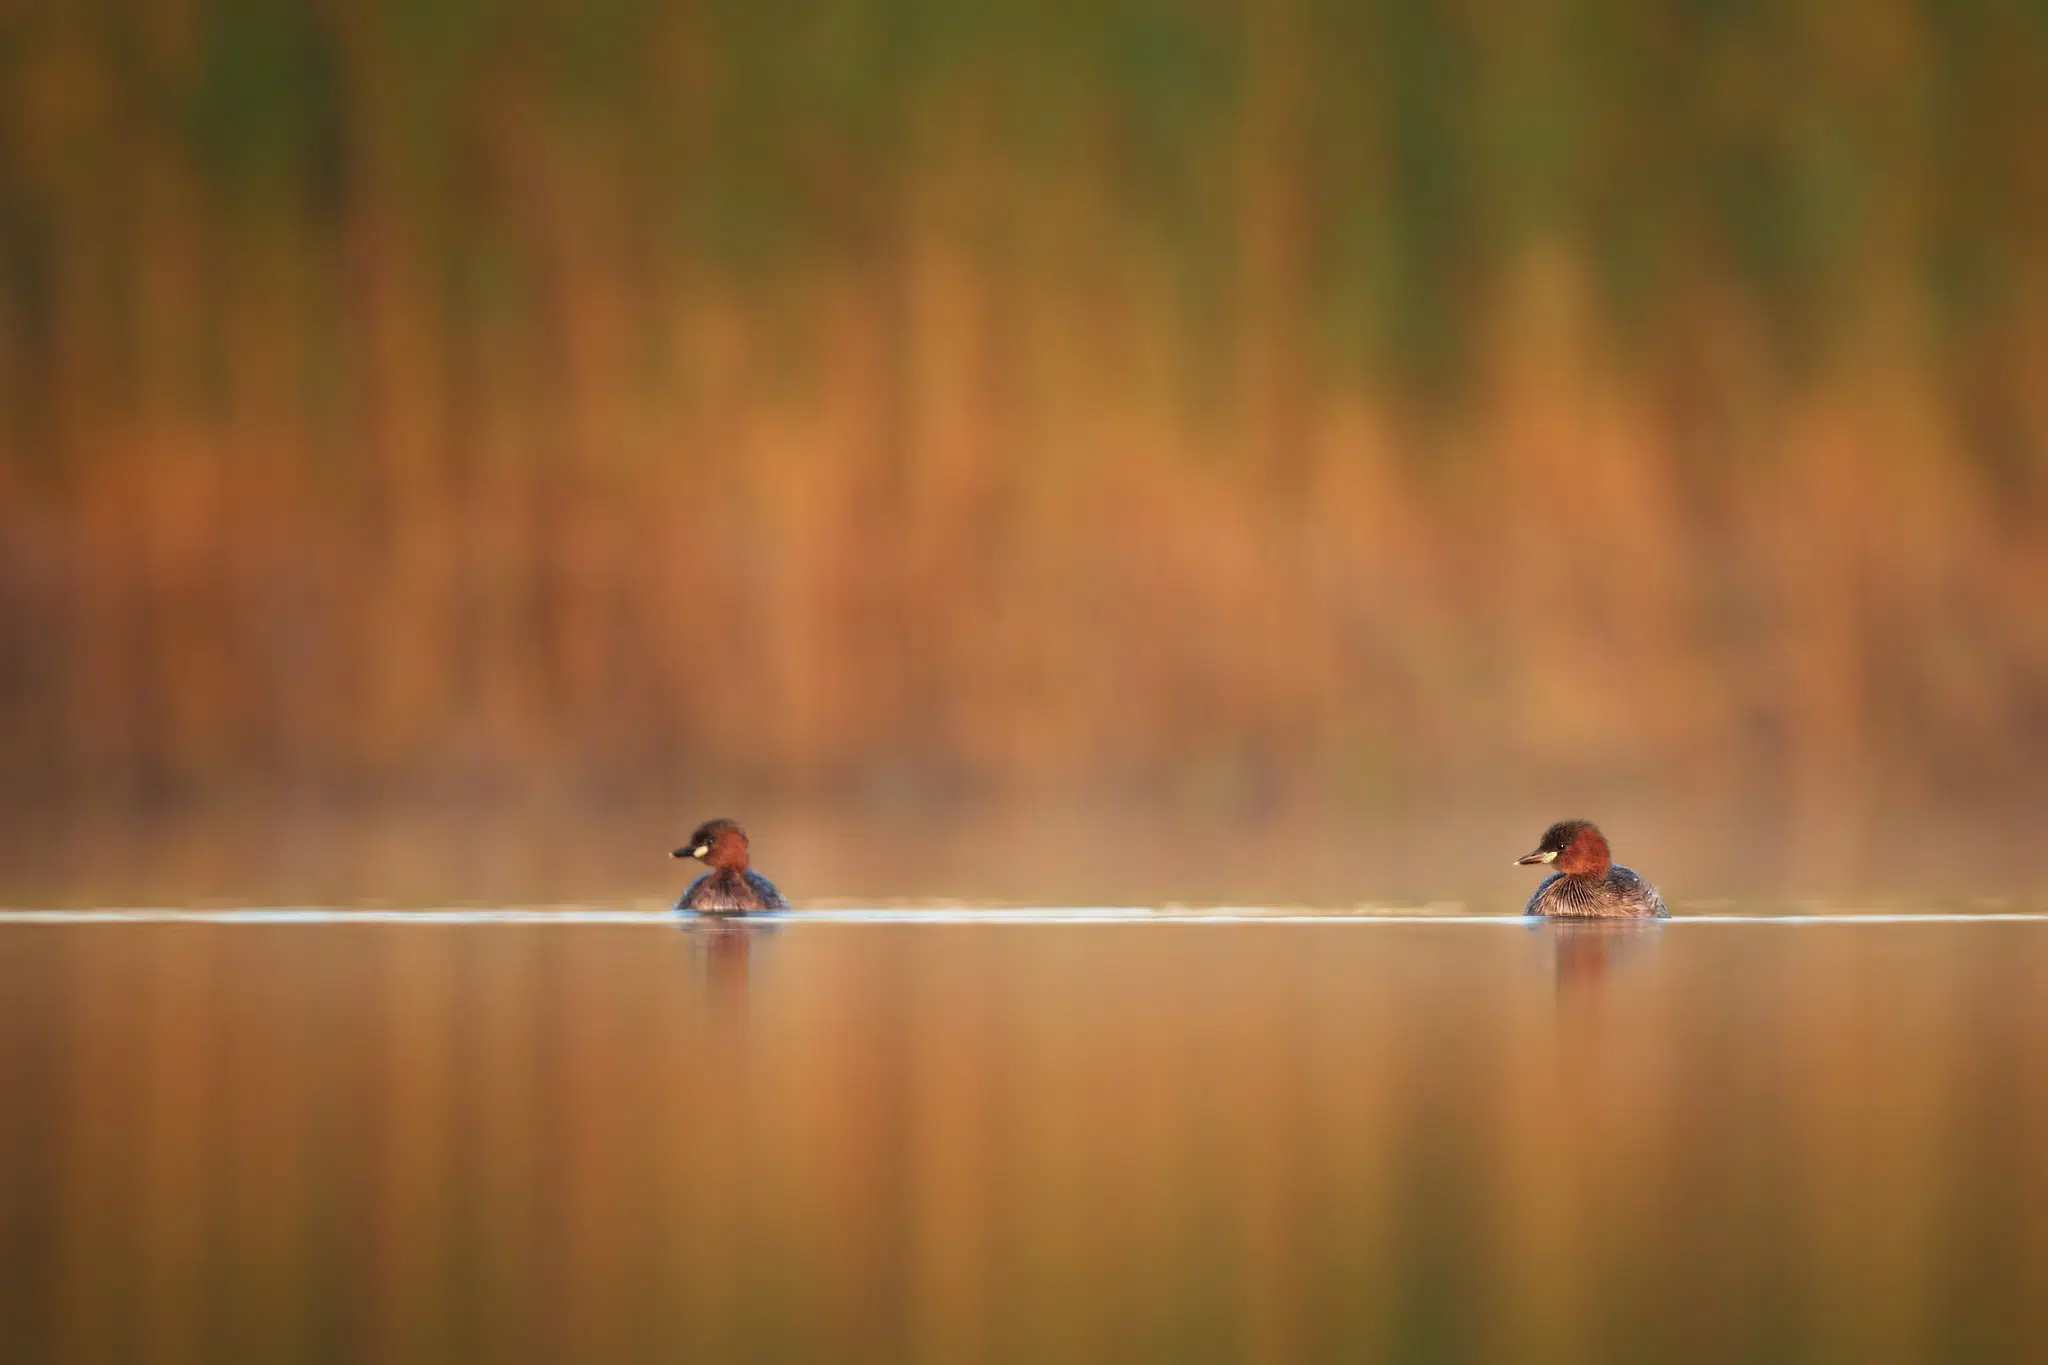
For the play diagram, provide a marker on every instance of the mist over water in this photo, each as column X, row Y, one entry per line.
column 598, row 856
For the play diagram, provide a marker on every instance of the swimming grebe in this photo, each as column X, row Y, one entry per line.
column 1588, row 884
column 730, row 887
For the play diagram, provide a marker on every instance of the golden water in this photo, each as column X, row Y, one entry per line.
column 951, row 1141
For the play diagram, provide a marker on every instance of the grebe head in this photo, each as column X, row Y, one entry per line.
column 722, row 844
column 1574, row 847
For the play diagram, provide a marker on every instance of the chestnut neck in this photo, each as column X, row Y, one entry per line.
column 1587, row 856
column 728, row 853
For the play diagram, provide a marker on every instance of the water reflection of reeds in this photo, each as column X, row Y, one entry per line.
column 979, row 1143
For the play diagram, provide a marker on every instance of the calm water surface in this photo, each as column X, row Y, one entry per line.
column 1024, row 1141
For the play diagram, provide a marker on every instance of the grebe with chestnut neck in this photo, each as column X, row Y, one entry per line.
column 1589, row 884
column 731, row 887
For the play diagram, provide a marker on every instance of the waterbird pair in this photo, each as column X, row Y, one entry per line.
column 1587, row 883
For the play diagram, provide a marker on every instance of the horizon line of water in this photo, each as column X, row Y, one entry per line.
column 578, row 915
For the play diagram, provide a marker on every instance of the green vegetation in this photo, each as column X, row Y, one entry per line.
column 1179, row 396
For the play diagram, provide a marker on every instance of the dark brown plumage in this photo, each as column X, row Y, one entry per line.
column 1588, row 884
column 731, row 887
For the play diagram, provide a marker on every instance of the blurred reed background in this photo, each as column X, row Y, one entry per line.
column 1185, row 410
